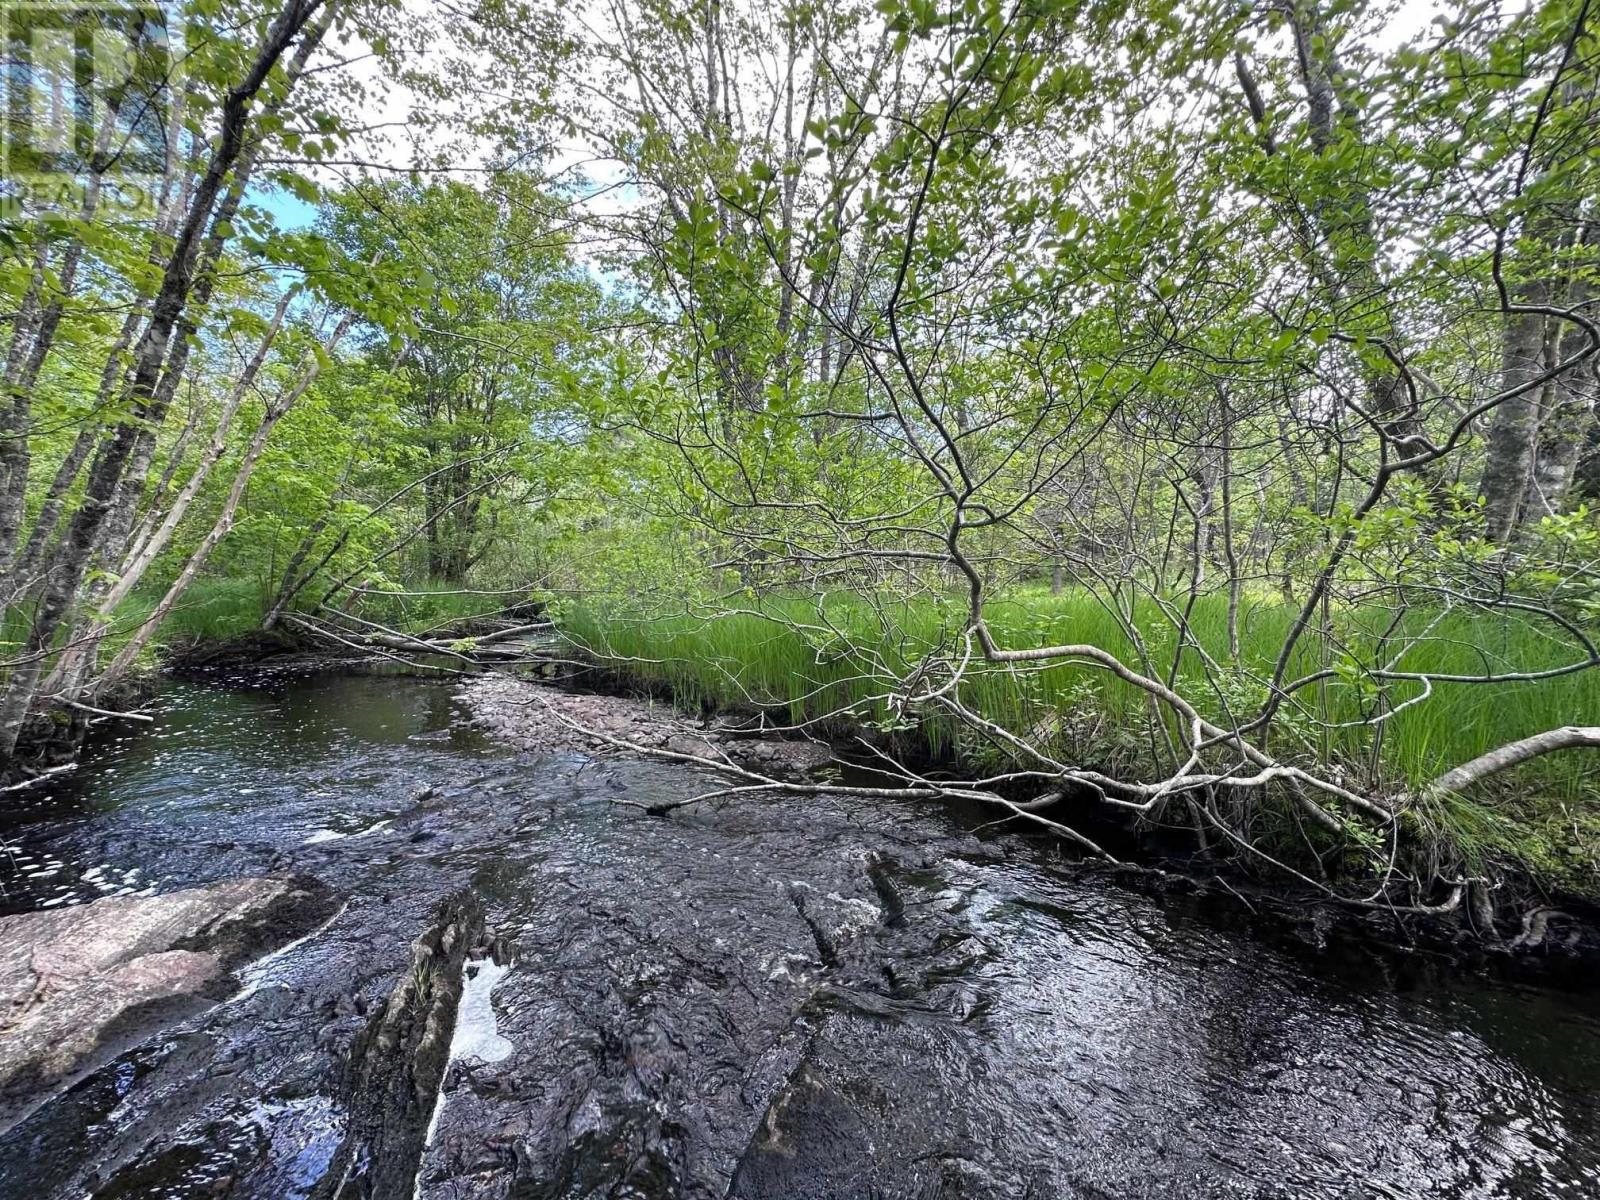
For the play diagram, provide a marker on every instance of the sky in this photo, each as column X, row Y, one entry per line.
column 289, row 211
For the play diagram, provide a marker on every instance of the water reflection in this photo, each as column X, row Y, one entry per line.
column 236, row 770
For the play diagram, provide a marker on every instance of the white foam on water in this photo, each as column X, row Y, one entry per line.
column 329, row 835
column 477, row 1034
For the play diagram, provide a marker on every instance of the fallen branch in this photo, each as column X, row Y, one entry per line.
column 1503, row 758
column 923, row 788
column 106, row 712
column 516, row 631
column 40, row 778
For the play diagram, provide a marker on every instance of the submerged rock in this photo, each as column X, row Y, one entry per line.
column 78, row 985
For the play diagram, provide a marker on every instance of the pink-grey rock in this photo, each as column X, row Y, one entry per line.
column 79, row 984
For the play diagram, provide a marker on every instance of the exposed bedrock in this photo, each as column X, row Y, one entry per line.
column 79, row 985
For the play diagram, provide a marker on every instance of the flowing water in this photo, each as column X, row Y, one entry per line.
column 799, row 998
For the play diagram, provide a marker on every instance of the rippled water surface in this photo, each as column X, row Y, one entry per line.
column 786, row 998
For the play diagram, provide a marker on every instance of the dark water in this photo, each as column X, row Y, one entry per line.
column 808, row 998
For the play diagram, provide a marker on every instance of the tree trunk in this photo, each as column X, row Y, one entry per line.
column 22, row 370
column 1565, row 421
column 224, row 523
column 1561, row 437
column 1508, row 464
column 133, row 569
column 174, row 177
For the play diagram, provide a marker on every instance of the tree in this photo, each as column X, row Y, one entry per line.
column 489, row 369
column 1172, row 351
column 166, row 277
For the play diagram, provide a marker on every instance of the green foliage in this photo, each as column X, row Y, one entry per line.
column 213, row 611
column 424, row 608
column 1208, row 310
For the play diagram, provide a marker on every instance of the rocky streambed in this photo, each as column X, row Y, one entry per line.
column 498, row 981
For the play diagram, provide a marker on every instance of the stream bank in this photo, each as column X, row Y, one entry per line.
column 1525, row 924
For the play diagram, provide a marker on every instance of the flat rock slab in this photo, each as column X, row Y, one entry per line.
column 80, row 984
column 546, row 720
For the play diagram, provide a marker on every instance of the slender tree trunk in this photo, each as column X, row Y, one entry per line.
column 1229, row 553
column 1338, row 238
column 1566, row 419
column 23, row 374
column 115, row 535
column 1508, row 464
column 152, row 511
column 293, row 582
column 13, row 400
column 133, row 569
column 174, row 183
column 1561, row 437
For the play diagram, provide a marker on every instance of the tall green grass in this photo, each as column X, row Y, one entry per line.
column 211, row 610
column 809, row 660
column 215, row 609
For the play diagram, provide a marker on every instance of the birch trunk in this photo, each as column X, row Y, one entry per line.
column 1508, row 463
column 224, row 523
column 22, row 370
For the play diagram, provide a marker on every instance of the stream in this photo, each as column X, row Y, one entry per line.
column 804, row 998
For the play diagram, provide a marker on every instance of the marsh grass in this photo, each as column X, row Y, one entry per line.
column 212, row 609
column 808, row 659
